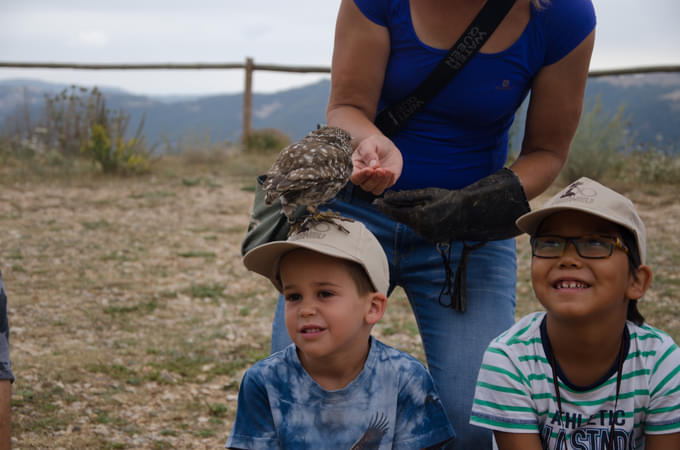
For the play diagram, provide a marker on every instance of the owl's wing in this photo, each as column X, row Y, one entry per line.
column 300, row 167
column 311, row 170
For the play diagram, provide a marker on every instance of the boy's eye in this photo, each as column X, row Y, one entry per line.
column 291, row 297
column 594, row 242
column 548, row 242
column 325, row 294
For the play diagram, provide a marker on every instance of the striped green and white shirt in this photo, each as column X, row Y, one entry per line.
column 515, row 391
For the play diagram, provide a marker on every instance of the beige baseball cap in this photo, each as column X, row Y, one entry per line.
column 349, row 240
column 591, row 197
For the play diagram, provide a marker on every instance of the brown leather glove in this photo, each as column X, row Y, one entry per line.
column 486, row 210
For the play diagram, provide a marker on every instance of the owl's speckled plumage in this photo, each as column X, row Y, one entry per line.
column 310, row 171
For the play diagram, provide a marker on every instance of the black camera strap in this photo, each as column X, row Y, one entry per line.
column 392, row 118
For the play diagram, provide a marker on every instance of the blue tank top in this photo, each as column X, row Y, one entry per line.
column 462, row 134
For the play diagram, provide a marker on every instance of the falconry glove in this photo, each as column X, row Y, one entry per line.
column 483, row 211
column 486, row 210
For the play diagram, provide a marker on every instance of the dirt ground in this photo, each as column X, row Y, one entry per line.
column 132, row 318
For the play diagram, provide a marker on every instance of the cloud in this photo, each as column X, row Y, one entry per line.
column 93, row 38
column 630, row 33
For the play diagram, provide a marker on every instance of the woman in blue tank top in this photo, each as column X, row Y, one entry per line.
column 442, row 174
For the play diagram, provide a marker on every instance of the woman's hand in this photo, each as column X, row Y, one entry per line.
column 360, row 55
column 377, row 164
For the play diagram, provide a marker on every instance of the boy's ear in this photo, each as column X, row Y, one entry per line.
column 640, row 283
column 376, row 307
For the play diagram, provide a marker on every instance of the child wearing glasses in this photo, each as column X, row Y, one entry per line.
column 588, row 373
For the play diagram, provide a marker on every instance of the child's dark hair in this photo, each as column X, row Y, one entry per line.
column 629, row 240
column 360, row 277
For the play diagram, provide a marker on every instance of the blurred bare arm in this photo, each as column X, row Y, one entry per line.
column 360, row 55
column 517, row 441
column 554, row 111
column 662, row 441
column 5, row 414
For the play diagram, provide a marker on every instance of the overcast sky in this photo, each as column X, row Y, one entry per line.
column 630, row 33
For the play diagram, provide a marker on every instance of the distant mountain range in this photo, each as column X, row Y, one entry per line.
column 651, row 101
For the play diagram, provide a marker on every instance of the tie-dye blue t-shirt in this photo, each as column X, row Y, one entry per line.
column 391, row 404
column 5, row 365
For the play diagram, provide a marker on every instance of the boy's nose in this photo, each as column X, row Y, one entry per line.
column 307, row 312
column 307, row 308
column 570, row 256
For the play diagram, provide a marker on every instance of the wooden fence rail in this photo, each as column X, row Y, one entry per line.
column 249, row 66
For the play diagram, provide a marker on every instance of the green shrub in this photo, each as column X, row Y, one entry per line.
column 598, row 144
column 115, row 155
column 266, row 140
column 649, row 165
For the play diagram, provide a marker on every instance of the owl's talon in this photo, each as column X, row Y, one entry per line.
column 316, row 216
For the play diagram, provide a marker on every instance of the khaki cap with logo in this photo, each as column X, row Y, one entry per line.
column 345, row 239
column 591, row 197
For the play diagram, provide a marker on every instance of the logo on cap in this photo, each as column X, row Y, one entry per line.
column 318, row 230
column 585, row 194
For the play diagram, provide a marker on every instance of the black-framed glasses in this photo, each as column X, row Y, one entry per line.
column 590, row 247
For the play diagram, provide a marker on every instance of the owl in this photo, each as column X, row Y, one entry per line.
column 310, row 171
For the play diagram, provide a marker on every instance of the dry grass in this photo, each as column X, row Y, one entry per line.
column 132, row 318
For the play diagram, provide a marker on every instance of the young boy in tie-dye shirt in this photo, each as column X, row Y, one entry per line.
column 335, row 386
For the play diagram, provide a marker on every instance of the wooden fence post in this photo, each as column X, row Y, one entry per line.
column 247, row 102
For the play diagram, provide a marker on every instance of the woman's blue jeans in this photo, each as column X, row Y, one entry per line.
column 453, row 342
